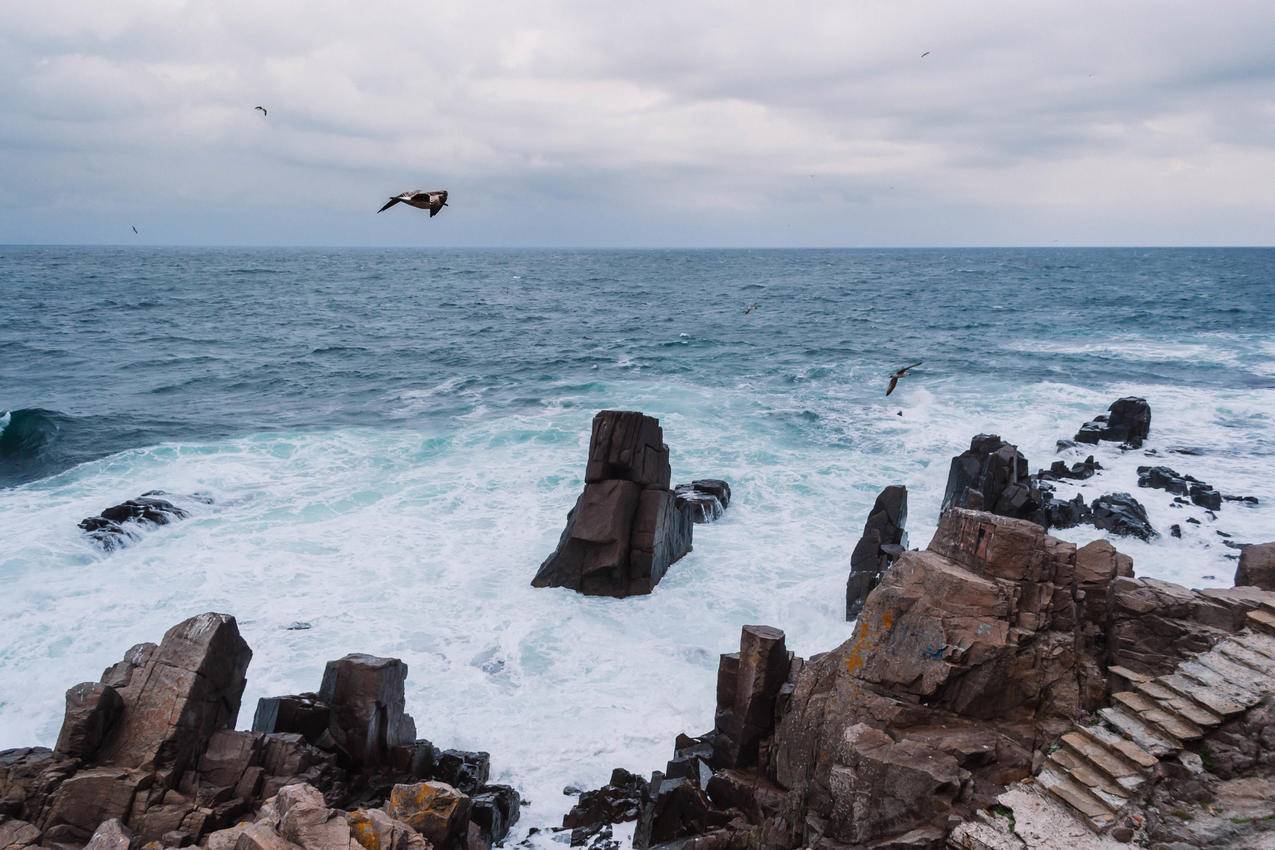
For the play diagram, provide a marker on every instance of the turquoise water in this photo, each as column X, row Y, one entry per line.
column 393, row 438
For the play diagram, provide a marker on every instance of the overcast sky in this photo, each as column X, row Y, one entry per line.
column 638, row 123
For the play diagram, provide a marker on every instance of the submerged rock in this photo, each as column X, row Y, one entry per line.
column 1128, row 421
column 1120, row 513
column 884, row 538
column 117, row 525
column 706, row 498
column 627, row 527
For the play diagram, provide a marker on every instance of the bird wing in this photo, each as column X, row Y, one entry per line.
column 894, row 382
column 391, row 202
column 263, row 110
column 433, row 211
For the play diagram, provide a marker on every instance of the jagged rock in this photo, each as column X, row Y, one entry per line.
column 1257, row 566
column 18, row 835
column 871, row 557
column 1128, row 422
column 706, row 498
column 373, row 829
column 1122, row 514
column 111, row 835
column 1065, row 514
column 495, row 809
column 434, row 809
column 115, row 525
column 674, row 808
column 465, row 771
column 1206, row 497
column 366, row 696
column 90, row 797
column 1079, row 471
column 992, row 475
column 615, row 802
column 627, row 527
column 748, row 683
column 91, row 710
column 303, row 714
column 28, row 778
column 1165, row 478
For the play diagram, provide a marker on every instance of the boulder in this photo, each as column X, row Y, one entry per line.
column 1128, row 421
column 111, row 835
column 883, row 539
column 705, row 498
column 1122, row 514
column 434, row 809
column 1065, row 514
column 373, row 829
column 303, row 714
column 495, row 809
column 91, row 710
column 616, row 802
column 18, row 835
column 463, row 770
column 627, row 527
column 1079, row 471
column 992, row 475
column 1257, row 566
column 673, row 809
column 117, row 525
column 368, row 718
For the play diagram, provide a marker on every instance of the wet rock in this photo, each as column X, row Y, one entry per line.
column 1164, row 478
column 706, row 500
column 616, row 802
column 1257, row 566
column 303, row 714
column 1175, row 530
column 1122, row 514
column 870, row 560
column 115, row 526
column 1206, row 497
column 627, row 527
column 465, row 771
column 434, row 809
column 1065, row 514
column 992, row 475
column 674, row 808
column 495, row 808
column 368, row 718
column 1128, row 421
column 91, row 710
column 1079, row 471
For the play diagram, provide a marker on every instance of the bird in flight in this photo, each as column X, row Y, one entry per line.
column 751, row 307
column 134, row 226
column 926, row 53
column 422, row 200
column 902, row 373
column 264, row 113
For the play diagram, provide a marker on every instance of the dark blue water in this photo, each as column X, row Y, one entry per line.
column 103, row 349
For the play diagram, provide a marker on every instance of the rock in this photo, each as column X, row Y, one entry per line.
column 1128, row 422
column 495, row 809
column 1065, row 514
column 18, row 835
column 869, row 561
column 114, row 527
column 91, row 710
column 1122, row 514
column 88, row 798
column 306, row 820
column 1164, row 478
column 1206, row 497
column 111, row 835
column 434, row 809
column 1079, row 471
column 368, row 718
column 465, row 771
column 1175, row 530
column 992, row 475
column 373, row 829
column 627, row 527
column 303, row 714
column 705, row 498
column 1257, row 566
column 674, row 808
column 748, row 683
column 616, row 802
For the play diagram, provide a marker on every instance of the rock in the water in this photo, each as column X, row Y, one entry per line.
column 705, row 498
column 366, row 696
column 1122, row 514
column 616, row 802
column 1257, row 566
column 463, row 770
column 992, row 476
column 627, row 527
column 495, row 809
column 1079, row 471
column 1128, row 421
column 871, row 558
column 1066, row 514
column 116, row 526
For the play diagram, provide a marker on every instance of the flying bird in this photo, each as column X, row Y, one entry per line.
column 422, row 200
column 751, row 307
column 926, row 53
column 902, row 373
column 264, row 113
column 134, row 226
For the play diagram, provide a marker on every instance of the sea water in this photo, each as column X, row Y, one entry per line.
column 392, row 440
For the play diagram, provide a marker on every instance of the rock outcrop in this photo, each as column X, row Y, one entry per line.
column 1079, row 471
column 1257, row 566
column 119, row 524
column 1127, row 421
column 149, row 754
column 883, row 540
column 992, row 475
column 1164, row 478
column 706, row 498
column 1122, row 514
column 627, row 527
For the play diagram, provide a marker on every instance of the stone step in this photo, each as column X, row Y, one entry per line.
column 1219, row 683
column 1104, row 737
column 1118, row 768
column 1241, row 654
column 1116, row 673
column 1245, row 677
column 1097, row 814
column 1218, row 703
column 1140, row 733
column 1256, row 641
column 1262, row 620
column 1175, row 727
column 1063, row 760
column 1183, row 705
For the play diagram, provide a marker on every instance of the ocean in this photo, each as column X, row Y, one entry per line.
column 392, row 440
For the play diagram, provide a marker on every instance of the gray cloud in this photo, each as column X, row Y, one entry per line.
column 572, row 123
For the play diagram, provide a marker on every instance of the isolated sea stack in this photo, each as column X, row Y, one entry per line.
column 1128, row 421
column 627, row 527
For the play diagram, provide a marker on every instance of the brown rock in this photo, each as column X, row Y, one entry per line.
column 368, row 717
column 373, row 829
column 29, row 776
column 434, row 809
column 883, row 539
column 18, row 835
column 91, row 710
column 257, row 836
column 1257, row 566
column 90, row 797
column 629, row 446
column 747, row 685
column 111, row 835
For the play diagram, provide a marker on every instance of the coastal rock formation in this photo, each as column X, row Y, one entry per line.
column 1122, row 514
column 1079, row 471
column 992, row 476
column 1257, row 566
column 1128, row 421
column 627, row 527
column 1164, row 478
column 706, row 498
column 117, row 525
column 883, row 540
column 149, row 754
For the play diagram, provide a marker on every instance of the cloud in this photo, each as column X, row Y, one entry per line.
column 572, row 123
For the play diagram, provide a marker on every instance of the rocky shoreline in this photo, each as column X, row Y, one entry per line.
column 1001, row 689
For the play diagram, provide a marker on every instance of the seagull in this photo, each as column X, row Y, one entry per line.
column 134, row 226
column 422, row 200
column 264, row 113
column 751, row 307
column 926, row 53
column 902, row 373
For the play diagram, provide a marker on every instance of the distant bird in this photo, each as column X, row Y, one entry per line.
column 134, row 226
column 422, row 200
column 902, row 373
column 751, row 307
column 926, row 53
column 264, row 113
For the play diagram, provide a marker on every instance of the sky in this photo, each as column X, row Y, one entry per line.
column 555, row 123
